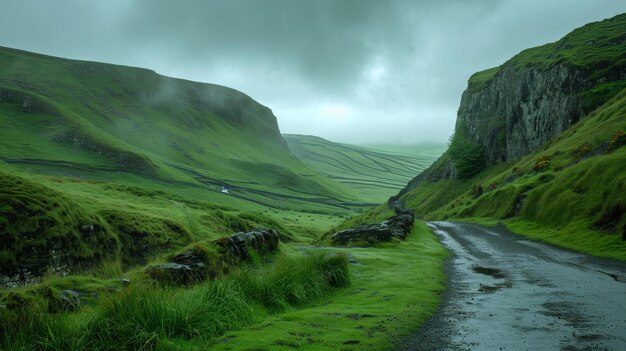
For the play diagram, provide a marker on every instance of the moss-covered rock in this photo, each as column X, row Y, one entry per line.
column 214, row 258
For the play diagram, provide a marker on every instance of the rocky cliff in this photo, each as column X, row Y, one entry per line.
column 510, row 111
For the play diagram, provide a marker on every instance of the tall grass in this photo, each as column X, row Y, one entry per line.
column 150, row 317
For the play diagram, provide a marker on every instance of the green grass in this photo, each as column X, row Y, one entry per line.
column 394, row 288
column 375, row 172
column 147, row 317
column 480, row 80
column 143, row 158
column 136, row 223
column 576, row 201
column 571, row 192
column 596, row 48
column 89, row 119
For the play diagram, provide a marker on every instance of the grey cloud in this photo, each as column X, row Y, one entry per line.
column 348, row 70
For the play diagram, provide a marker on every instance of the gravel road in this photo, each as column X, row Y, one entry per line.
column 509, row 293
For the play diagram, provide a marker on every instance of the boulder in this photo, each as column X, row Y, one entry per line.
column 69, row 300
column 172, row 273
column 370, row 234
column 401, row 224
column 59, row 301
column 398, row 226
column 198, row 264
column 237, row 247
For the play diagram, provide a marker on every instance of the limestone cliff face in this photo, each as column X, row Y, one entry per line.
column 520, row 110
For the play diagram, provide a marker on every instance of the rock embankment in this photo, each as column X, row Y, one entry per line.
column 398, row 226
column 199, row 263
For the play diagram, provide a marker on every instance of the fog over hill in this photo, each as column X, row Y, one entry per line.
column 350, row 71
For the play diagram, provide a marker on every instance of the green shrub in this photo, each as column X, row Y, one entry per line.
column 618, row 139
column 468, row 157
column 581, row 151
column 541, row 163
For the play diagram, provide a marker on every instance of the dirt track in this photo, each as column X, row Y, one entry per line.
column 509, row 293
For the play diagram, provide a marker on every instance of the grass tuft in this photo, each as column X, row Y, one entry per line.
column 147, row 316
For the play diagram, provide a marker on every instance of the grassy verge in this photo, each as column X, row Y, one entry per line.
column 394, row 288
column 148, row 317
column 572, row 236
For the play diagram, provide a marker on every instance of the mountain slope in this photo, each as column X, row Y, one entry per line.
column 374, row 172
column 104, row 162
column 538, row 145
column 134, row 120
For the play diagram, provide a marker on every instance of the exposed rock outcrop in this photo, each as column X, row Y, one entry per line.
column 239, row 247
column 199, row 264
column 53, row 258
column 365, row 234
column 398, row 226
column 401, row 224
column 521, row 109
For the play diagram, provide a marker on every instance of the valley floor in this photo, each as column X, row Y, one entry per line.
column 395, row 288
column 507, row 292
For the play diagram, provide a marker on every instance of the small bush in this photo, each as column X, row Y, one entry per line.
column 517, row 171
column 581, row 151
column 467, row 156
column 542, row 163
column 617, row 140
column 477, row 191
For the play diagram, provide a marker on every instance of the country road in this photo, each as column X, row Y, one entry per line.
column 509, row 293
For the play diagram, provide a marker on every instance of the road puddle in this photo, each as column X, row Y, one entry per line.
column 488, row 289
column 492, row 272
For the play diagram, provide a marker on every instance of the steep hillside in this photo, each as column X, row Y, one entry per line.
column 103, row 162
column 538, row 145
column 375, row 172
column 86, row 116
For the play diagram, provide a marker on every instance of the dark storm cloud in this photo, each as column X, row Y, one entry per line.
column 348, row 70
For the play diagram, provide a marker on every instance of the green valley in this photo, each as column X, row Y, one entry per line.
column 144, row 212
column 106, row 171
column 375, row 171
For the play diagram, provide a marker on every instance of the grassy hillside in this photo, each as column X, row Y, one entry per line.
column 376, row 172
column 106, row 169
column 568, row 190
column 91, row 119
column 596, row 47
column 570, row 193
column 101, row 162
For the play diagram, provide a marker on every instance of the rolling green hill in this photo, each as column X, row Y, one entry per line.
column 99, row 162
column 544, row 154
column 90, row 119
column 105, row 170
column 376, row 172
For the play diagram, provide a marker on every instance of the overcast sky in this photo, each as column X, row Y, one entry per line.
column 356, row 71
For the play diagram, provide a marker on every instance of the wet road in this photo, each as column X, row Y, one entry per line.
column 509, row 293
